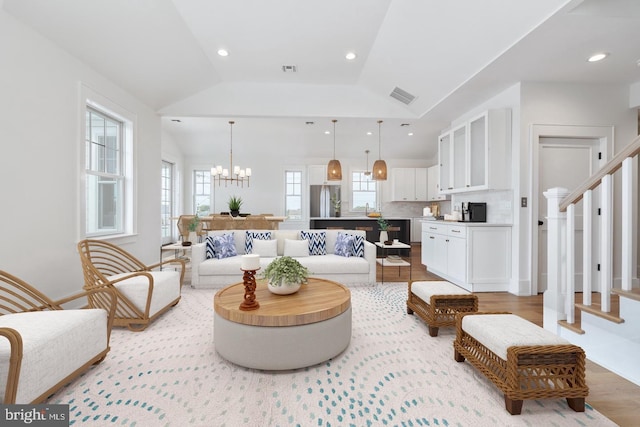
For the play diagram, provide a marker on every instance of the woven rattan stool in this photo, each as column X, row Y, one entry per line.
column 437, row 303
column 523, row 360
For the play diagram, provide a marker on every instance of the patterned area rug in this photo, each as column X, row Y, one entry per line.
column 392, row 374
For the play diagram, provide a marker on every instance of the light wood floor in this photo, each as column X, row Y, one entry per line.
column 609, row 394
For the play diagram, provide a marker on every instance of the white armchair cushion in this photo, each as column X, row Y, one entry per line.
column 55, row 344
column 166, row 288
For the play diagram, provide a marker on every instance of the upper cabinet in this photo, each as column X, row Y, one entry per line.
column 318, row 175
column 409, row 184
column 474, row 155
column 433, row 185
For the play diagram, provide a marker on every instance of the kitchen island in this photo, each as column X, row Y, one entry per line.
column 373, row 235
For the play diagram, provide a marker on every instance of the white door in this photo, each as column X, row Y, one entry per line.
column 567, row 163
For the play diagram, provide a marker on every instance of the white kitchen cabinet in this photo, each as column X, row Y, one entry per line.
column 475, row 257
column 416, row 230
column 445, row 162
column 318, row 175
column 433, row 184
column 409, row 184
column 475, row 155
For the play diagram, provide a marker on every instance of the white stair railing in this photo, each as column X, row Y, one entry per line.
column 559, row 298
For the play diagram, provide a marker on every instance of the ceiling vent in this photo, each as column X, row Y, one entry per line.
column 402, row 96
column 289, row 69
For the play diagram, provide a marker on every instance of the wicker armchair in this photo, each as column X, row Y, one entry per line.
column 143, row 293
column 44, row 346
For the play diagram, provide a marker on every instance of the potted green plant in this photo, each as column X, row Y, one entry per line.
column 383, row 224
column 235, row 203
column 192, row 226
column 336, row 205
column 285, row 275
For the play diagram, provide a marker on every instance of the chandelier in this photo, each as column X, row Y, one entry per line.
column 239, row 176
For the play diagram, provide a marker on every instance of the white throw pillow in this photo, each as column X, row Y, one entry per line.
column 265, row 248
column 296, row 248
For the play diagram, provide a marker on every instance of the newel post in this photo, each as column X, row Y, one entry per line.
column 555, row 294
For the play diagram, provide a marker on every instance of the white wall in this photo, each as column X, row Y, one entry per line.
column 266, row 191
column 40, row 116
column 559, row 104
column 569, row 104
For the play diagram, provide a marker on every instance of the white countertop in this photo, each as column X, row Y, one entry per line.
column 466, row 224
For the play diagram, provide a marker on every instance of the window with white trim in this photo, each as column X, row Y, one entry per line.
column 364, row 194
column 293, row 194
column 105, row 174
column 166, row 202
column 202, row 192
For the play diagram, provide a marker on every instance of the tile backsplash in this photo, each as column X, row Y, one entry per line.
column 499, row 204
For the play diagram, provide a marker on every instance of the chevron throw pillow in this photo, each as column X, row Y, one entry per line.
column 358, row 246
column 250, row 235
column 317, row 241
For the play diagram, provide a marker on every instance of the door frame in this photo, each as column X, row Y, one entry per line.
column 605, row 134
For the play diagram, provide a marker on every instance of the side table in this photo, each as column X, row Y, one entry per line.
column 397, row 262
column 176, row 248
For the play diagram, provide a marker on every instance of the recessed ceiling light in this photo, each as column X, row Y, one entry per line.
column 326, row 132
column 597, row 57
column 223, row 52
column 350, row 56
column 410, row 134
column 369, row 133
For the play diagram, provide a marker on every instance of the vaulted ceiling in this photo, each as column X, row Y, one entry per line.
column 450, row 55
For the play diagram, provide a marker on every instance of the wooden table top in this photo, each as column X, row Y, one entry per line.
column 317, row 300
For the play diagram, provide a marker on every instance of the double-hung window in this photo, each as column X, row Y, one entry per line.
column 166, row 202
column 293, row 194
column 105, row 174
column 364, row 195
column 202, row 192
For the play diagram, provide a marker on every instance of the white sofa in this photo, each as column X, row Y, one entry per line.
column 216, row 273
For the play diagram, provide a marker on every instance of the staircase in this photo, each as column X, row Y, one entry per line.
column 604, row 317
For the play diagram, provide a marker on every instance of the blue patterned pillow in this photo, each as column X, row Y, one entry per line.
column 250, row 235
column 221, row 246
column 344, row 245
column 317, row 241
column 358, row 246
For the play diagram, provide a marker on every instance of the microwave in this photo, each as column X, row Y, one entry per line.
column 474, row 212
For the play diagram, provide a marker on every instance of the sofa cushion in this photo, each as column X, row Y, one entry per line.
column 228, row 267
column 250, row 235
column 332, row 264
column 222, row 246
column 296, row 248
column 265, row 248
column 282, row 235
column 344, row 245
column 317, row 241
column 56, row 343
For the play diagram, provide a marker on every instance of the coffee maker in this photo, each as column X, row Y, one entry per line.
column 474, row 212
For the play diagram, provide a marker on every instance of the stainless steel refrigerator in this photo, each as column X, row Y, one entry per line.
column 320, row 197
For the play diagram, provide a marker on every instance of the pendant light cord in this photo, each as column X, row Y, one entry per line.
column 334, row 138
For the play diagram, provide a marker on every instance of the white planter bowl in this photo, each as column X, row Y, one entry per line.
column 284, row 289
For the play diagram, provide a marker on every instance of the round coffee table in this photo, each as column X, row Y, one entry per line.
column 287, row 331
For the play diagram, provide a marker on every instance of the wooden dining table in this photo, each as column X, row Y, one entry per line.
column 250, row 222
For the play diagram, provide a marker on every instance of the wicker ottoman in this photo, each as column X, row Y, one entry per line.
column 437, row 303
column 523, row 360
